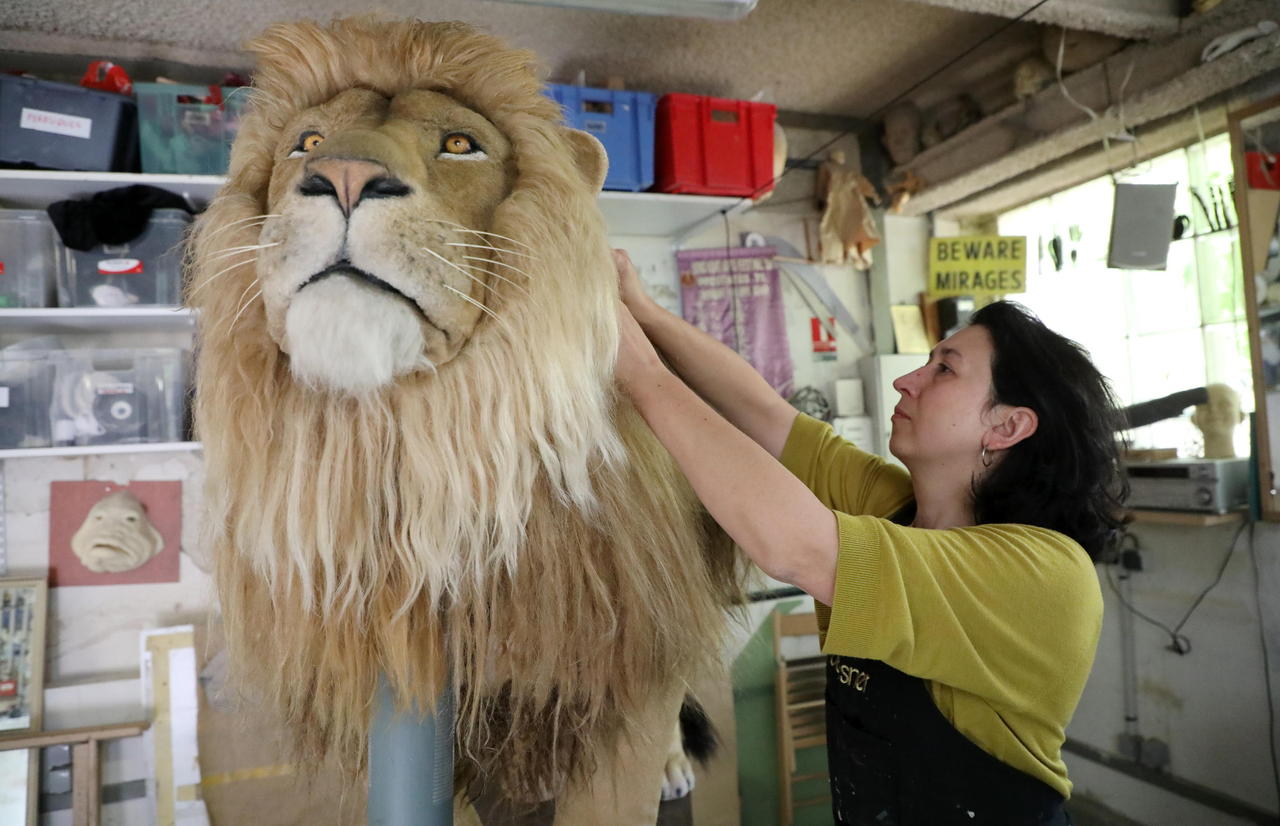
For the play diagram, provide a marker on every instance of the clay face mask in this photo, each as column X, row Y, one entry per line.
column 116, row 535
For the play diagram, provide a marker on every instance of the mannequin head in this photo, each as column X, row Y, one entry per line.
column 902, row 132
column 1217, row 419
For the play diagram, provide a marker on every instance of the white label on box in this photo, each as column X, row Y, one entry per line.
column 114, row 389
column 119, row 266
column 55, row 122
column 4, row 397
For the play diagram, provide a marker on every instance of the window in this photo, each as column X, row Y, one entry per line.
column 1151, row 333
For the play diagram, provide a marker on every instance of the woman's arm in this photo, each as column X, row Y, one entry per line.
column 711, row 369
column 772, row 516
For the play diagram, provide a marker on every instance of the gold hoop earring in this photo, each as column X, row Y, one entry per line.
column 986, row 457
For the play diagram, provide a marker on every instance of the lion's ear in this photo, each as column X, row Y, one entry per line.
column 589, row 156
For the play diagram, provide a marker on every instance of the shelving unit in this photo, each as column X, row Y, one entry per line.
column 627, row 213
column 36, row 189
column 1186, row 518
column 55, row 320
column 100, row 450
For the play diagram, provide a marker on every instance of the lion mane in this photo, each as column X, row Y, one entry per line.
column 507, row 514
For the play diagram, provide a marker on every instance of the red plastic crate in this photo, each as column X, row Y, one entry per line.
column 1263, row 169
column 714, row 146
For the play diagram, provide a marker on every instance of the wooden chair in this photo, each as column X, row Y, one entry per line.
column 799, row 686
column 86, row 782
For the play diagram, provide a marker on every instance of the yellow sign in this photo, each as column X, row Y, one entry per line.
column 977, row 265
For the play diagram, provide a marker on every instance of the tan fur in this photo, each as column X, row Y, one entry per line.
column 505, row 513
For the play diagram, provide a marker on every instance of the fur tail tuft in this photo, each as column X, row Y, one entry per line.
column 697, row 733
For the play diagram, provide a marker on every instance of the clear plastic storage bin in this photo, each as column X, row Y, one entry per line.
column 26, row 389
column 145, row 271
column 28, row 259
column 118, row 396
column 187, row 129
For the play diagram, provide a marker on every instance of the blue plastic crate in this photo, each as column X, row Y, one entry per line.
column 622, row 121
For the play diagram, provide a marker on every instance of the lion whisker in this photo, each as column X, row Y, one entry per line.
column 430, row 251
column 218, row 274
column 495, row 275
column 480, row 232
column 231, row 253
column 243, row 248
column 246, row 305
column 499, row 263
column 471, row 300
column 492, row 247
column 263, row 218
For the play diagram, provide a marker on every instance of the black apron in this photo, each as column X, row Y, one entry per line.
column 895, row 759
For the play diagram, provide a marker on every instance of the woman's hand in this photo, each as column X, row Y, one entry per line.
column 629, row 288
column 638, row 362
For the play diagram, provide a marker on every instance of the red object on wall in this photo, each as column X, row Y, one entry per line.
column 1263, row 169
column 107, row 77
column 714, row 146
column 823, row 340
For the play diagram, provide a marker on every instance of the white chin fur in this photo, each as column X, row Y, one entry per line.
column 346, row 336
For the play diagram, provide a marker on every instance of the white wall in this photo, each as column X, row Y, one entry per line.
column 1209, row 705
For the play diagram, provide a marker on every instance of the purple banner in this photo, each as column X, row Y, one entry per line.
column 734, row 295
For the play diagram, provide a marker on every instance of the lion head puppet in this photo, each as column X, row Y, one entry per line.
column 415, row 453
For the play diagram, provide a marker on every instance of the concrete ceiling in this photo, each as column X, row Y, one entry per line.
column 835, row 57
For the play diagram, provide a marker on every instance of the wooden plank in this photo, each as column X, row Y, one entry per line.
column 1196, row 520
column 808, row 704
column 41, row 739
column 797, row 625
column 810, row 742
column 80, row 782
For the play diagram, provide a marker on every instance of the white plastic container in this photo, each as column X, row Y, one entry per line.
column 118, row 396
column 26, row 390
column 29, row 259
column 147, row 271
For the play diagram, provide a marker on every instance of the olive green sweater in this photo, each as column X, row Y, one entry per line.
column 1002, row 620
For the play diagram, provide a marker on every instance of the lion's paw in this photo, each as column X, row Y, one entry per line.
column 677, row 776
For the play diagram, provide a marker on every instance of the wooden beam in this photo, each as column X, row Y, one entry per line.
column 1164, row 78
column 71, row 736
column 1132, row 19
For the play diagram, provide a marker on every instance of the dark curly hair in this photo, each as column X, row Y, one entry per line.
column 1067, row 475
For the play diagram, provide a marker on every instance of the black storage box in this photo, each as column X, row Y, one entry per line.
column 60, row 126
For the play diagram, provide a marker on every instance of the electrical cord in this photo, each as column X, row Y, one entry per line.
column 1179, row 643
column 1266, row 667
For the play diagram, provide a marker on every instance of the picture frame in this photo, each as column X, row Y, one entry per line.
column 24, row 608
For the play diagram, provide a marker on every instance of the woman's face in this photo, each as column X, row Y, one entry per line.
column 942, row 415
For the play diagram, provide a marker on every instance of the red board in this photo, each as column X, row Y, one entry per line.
column 69, row 505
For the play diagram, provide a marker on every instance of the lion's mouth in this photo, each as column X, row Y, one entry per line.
column 345, row 267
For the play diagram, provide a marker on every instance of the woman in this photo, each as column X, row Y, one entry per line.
column 958, row 605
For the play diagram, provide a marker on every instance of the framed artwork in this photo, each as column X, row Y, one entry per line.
column 23, row 607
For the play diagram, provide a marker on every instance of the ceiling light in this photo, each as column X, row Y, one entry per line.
column 716, row 9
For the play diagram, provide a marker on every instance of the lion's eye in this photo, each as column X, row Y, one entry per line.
column 461, row 146
column 307, row 141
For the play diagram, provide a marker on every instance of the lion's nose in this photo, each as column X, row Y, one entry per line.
column 350, row 181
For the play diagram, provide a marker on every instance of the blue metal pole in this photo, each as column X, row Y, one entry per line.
column 411, row 763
